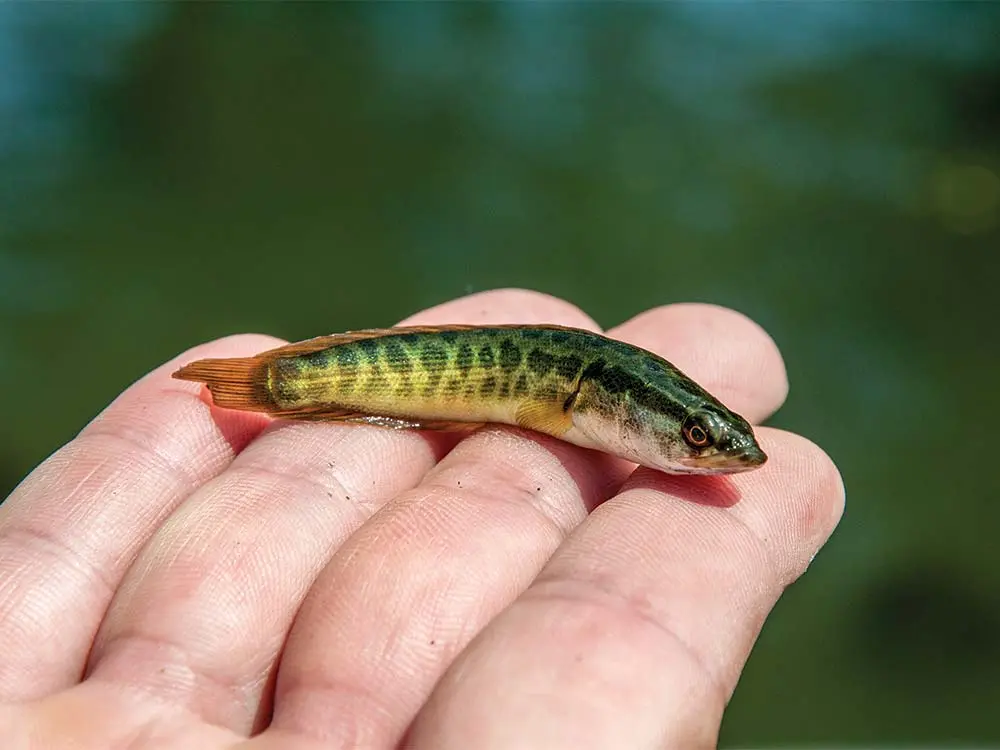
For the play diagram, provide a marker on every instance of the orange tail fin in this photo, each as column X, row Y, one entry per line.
column 235, row 383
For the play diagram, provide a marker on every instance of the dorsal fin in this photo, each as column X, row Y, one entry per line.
column 320, row 343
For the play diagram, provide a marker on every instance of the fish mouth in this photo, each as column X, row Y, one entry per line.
column 726, row 462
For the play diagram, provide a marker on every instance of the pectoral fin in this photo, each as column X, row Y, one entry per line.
column 544, row 416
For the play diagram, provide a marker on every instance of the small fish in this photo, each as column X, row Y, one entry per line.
column 575, row 385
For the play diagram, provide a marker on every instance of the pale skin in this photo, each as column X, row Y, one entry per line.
column 178, row 576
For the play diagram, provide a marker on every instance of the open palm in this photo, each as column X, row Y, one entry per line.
column 183, row 577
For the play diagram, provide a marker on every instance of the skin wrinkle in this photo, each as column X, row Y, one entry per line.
column 40, row 538
column 323, row 460
column 133, row 648
column 323, row 689
column 330, row 487
column 597, row 581
column 144, row 448
column 587, row 666
column 772, row 562
column 189, row 408
column 812, row 529
column 136, row 644
column 520, row 496
column 169, row 467
column 708, row 687
column 167, row 691
column 505, row 481
column 592, row 594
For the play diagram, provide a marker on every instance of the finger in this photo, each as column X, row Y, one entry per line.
column 409, row 591
column 200, row 619
column 636, row 631
column 74, row 525
column 742, row 365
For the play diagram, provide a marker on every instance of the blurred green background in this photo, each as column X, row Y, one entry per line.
column 175, row 173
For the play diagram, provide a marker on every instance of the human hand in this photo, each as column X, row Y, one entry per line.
column 178, row 576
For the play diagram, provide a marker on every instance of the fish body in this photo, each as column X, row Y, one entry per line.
column 572, row 384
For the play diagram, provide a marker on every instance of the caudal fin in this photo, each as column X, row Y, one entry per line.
column 235, row 383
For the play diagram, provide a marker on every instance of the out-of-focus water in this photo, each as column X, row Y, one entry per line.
column 174, row 173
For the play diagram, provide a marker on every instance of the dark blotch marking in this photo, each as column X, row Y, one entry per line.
column 449, row 337
column 616, row 380
column 560, row 337
column 396, row 357
column 376, row 378
column 348, row 379
column 594, row 369
column 433, row 381
column 371, row 349
column 286, row 374
column 470, row 389
column 488, row 386
column 285, row 368
column 486, row 356
column 322, row 358
column 404, row 384
column 568, row 367
column 434, row 358
column 452, row 386
column 504, row 388
column 521, row 385
column 463, row 360
column 510, row 355
column 347, row 355
column 346, row 358
column 540, row 362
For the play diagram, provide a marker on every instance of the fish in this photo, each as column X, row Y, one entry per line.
column 575, row 385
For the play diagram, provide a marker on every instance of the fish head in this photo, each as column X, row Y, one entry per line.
column 677, row 428
column 710, row 440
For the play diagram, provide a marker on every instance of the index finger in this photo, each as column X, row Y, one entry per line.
column 636, row 631
column 70, row 530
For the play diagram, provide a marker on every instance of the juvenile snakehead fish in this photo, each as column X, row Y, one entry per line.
column 575, row 385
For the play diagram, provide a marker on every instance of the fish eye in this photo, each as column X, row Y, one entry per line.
column 696, row 433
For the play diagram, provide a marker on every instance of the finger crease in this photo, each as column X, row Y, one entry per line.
column 169, row 465
column 574, row 592
column 773, row 569
column 368, row 710
column 44, row 540
column 163, row 670
column 330, row 485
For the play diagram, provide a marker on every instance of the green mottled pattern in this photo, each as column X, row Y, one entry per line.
column 472, row 373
